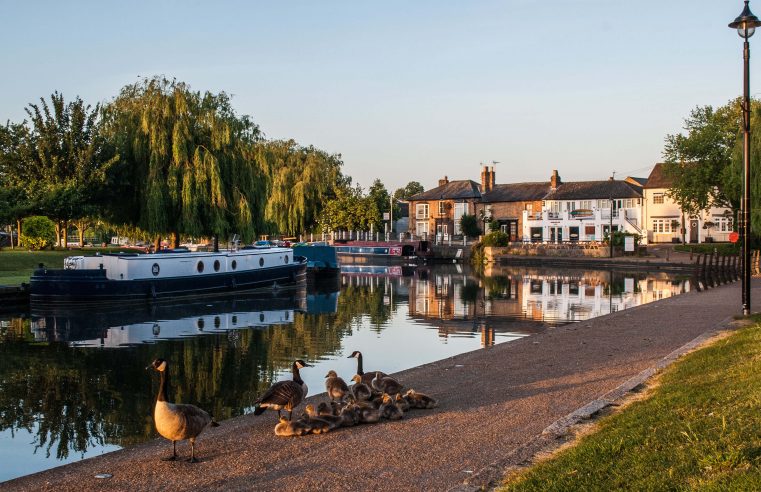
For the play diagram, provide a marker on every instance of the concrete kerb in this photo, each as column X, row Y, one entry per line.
column 491, row 475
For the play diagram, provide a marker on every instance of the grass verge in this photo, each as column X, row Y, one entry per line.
column 16, row 266
column 700, row 429
column 721, row 248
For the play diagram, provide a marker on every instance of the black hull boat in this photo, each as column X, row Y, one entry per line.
column 140, row 277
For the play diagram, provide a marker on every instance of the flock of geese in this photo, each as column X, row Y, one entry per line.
column 374, row 396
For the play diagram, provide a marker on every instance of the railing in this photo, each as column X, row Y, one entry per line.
column 714, row 269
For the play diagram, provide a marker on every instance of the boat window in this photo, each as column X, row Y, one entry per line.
column 234, row 264
column 155, row 269
column 216, row 265
column 199, row 267
column 217, row 322
column 235, row 320
column 261, row 262
column 261, row 317
column 200, row 323
column 285, row 259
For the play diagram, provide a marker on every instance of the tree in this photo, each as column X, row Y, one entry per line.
column 302, row 180
column 38, row 232
column 350, row 210
column 187, row 163
column 700, row 161
column 380, row 196
column 412, row 188
column 469, row 225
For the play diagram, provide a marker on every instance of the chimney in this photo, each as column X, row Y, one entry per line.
column 555, row 179
column 491, row 178
column 487, row 179
column 444, row 181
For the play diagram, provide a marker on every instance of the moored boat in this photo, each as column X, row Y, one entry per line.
column 378, row 251
column 174, row 273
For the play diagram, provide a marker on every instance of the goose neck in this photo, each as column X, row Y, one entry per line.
column 163, row 387
column 360, row 371
column 296, row 374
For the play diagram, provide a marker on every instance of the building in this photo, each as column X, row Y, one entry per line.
column 584, row 211
column 664, row 217
column 440, row 209
column 506, row 203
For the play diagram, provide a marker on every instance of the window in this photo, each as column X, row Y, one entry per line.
column 658, row 198
column 442, row 208
column 603, row 204
column 199, row 267
column 585, row 204
column 570, row 206
column 421, row 228
column 629, row 203
column 723, row 224
column 663, row 226
column 530, row 207
column 216, row 265
column 422, row 211
column 555, row 207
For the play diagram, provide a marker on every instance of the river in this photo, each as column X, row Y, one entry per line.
column 73, row 382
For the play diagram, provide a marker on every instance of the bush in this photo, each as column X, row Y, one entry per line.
column 618, row 239
column 469, row 225
column 37, row 232
column 496, row 238
column 494, row 225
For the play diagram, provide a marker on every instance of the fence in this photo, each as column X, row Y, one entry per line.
column 715, row 269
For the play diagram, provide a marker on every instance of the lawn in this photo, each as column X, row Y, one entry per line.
column 16, row 266
column 699, row 429
column 722, row 248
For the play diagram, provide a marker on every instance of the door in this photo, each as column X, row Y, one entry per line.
column 694, row 230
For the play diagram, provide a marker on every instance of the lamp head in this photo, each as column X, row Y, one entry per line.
column 746, row 23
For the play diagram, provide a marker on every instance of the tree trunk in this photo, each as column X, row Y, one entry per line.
column 58, row 233
column 81, row 228
column 175, row 240
column 65, row 233
column 18, row 233
column 216, row 244
column 157, row 243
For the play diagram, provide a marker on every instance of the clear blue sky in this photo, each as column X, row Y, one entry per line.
column 407, row 90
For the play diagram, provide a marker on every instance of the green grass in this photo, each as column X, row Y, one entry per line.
column 722, row 248
column 699, row 430
column 16, row 266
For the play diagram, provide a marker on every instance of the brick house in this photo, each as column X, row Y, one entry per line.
column 439, row 210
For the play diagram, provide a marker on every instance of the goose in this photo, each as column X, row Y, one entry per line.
column 386, row 384
column 333, row 420
column 286, row 428
column 366, row 413
column 389, row 409
column 325, row 408
column 284, row 394
column 360, row 390
column 335, row 386
column 366, row 378
column 419, row 400
column 175, row 421
column 349, row 415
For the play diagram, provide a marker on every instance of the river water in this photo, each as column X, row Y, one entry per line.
column 73, row 382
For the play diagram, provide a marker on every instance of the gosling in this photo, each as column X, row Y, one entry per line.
column 419, row 400
column 334, row 421
column 335, row 386
column 389, row 409
column 175, row 421
column 360, row 390
column 386, row 384
column 287, row 428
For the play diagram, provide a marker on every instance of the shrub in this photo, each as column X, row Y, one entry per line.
column 37, row 232
column 469, row 225
column 494, row 225
column 496, row 238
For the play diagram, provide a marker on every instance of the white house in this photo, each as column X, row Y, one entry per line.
column 585, row 211
column 664, row 217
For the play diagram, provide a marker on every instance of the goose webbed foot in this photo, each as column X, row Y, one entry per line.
column 193, row 459
column 174, row 453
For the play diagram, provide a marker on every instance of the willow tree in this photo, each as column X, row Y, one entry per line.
column 302, row 180
column 187, row 163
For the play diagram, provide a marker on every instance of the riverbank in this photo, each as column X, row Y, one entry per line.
column 17, row 265
column 705, row 410
column 495, row 404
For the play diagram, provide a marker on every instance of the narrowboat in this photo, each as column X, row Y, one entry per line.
column 376, row 252
column 166, row 274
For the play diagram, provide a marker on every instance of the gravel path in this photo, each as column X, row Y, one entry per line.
column 492, row 401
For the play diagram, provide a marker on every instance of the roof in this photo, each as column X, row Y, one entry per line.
column 581, row 190
column 658, row 177
column 454, row 190
column 641, row 182
column 517, row 192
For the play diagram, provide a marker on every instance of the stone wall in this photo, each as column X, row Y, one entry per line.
column 591, row 250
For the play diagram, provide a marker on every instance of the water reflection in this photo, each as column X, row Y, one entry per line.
column 74, row 381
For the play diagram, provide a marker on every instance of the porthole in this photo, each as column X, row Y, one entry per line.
column 216, row 265
column 200, row 323
column 261, row 317
column 235, row 320
column 287, row 316
column 199, row 267
column 261, row 262
column 155, row 269
column 217, row 322
column 234, row 265
column 285, row 259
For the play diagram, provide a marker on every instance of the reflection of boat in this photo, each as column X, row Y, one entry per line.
column 132, row 276
column 143, row 323
column 377, row 252
column 321, row 258
column 377, row 270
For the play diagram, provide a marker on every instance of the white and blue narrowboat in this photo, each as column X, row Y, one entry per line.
column 174, row 273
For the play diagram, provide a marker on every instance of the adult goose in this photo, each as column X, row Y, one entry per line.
column 366, row 378
column 284, row 395
column 175, row 421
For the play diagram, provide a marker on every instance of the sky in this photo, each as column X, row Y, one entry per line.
column 406, row 90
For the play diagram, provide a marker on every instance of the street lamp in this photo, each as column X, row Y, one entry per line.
column 746, row 24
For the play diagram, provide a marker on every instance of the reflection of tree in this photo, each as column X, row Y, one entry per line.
column 74, row 398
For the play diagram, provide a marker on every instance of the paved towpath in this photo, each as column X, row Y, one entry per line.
column 492, row 401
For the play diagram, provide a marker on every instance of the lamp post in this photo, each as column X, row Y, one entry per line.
column 746, row 24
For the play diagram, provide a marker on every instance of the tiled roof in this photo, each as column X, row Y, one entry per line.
column 517, row 192
column 582, row 190
column 658, row 178
column 454, row 190
column 641, row 182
